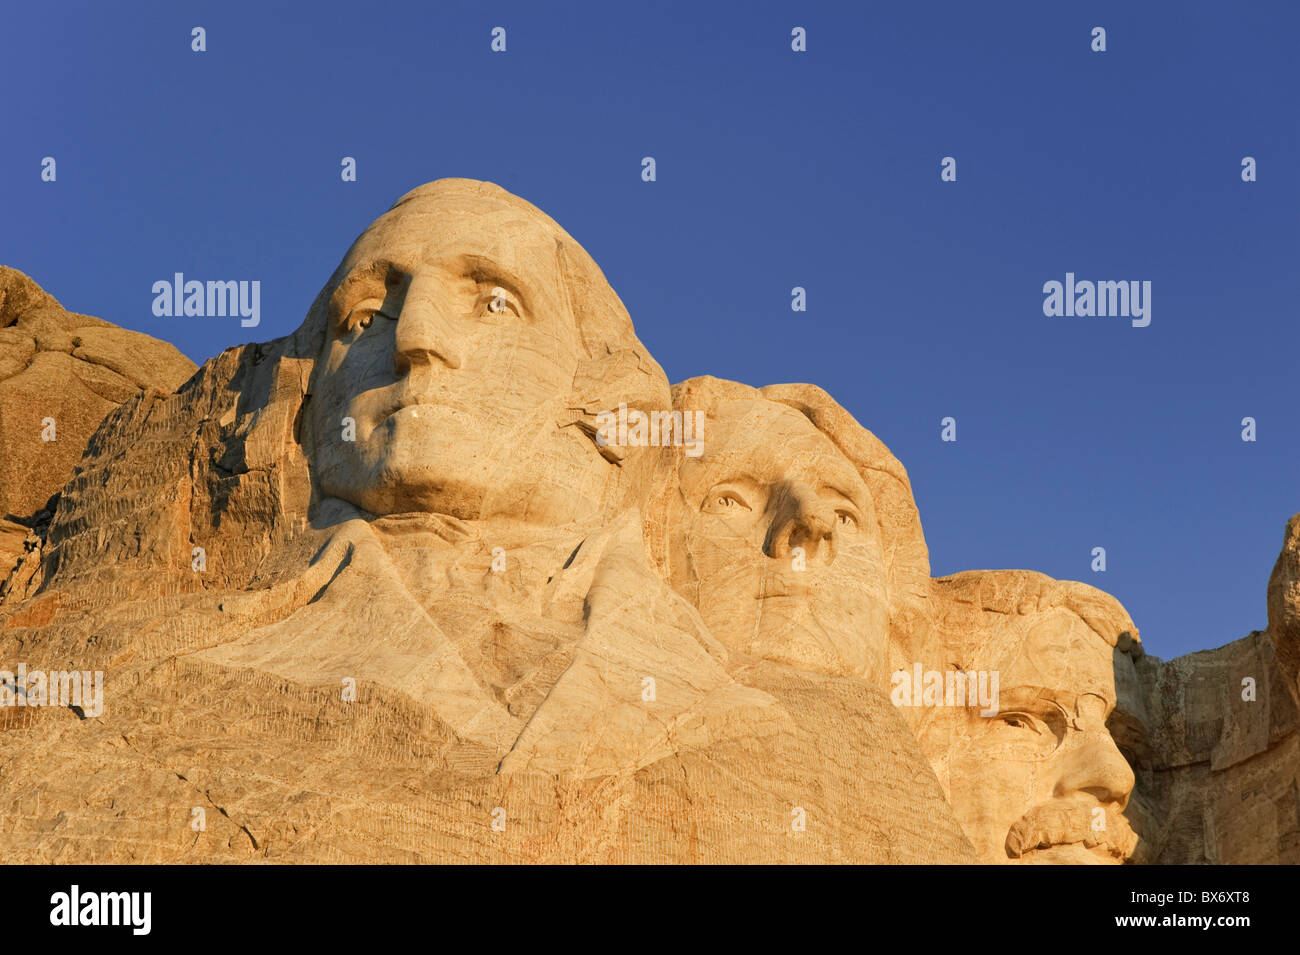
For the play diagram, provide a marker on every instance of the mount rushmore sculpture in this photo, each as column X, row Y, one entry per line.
column 452, row 574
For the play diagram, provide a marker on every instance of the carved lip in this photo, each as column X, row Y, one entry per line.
column 423, row 400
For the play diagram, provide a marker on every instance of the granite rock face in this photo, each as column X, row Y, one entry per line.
column 60, row 374
column 452, row 574
column 1040, row 770
column 1223, row 770
column 386, row 590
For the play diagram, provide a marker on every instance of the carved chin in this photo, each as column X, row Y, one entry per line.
column 789, row 633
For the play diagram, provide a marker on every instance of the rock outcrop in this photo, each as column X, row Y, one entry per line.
column 1222, row 774
column 60, row 374
column 451, row 574
column 381, row 591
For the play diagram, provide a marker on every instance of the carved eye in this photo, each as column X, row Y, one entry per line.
column 846, row 520
column 500, row 302
column 725, row 501
column 362, row 314
column 1026, row 735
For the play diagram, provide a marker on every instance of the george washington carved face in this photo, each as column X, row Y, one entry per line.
column 450, row 353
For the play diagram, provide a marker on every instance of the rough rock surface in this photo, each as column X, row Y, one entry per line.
column 1047, row 778
column 392, row 588
column 488, row 666
column 1224, row 767
column 60, row 374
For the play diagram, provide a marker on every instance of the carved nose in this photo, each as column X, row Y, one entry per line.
column 425, row 333
column 802, row 519
column 1096, row 766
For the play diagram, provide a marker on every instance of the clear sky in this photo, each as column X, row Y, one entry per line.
column 775, row 169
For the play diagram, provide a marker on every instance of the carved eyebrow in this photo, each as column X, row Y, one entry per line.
column 1027, row 695
column 1064, row 700
column 374, row 272
column 840, row 492
column 375, row 269
column 482, row 269
column 741, row 482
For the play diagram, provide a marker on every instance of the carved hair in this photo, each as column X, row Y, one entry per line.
column 1027, row 592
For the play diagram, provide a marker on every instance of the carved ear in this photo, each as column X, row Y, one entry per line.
column 615, row 367
column 602, row 384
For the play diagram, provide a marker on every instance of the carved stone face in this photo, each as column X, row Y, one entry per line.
column 780, row 546
column 449, row 349
column 1043, row 780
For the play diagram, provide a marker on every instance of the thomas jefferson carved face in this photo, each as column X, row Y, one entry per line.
column 1042, row 781
column 780, row 548
column 450, row 350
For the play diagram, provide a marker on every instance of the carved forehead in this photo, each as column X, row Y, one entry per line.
column 1054, row 649
column 769, row 441
column 431, row 228
column 748, row 423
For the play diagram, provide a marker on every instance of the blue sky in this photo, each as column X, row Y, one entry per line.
column 775, row 169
